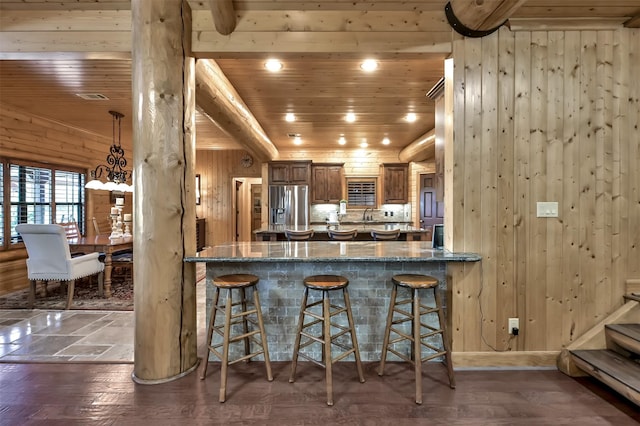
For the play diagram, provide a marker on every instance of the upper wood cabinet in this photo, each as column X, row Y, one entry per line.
column 326, row 183
column 395, row 183
column 289, row 172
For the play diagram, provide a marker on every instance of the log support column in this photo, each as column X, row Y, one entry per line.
column 164, row 199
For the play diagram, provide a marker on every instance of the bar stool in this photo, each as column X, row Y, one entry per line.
column 239, row 317
column 416, row 282
column 385, row 235
column 325, row 284
column 298, row 235
column 342, row 235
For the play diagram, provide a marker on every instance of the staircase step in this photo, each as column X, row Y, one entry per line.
column 619, row 373
column 625, row 335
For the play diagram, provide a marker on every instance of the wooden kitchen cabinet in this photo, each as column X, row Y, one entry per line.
column 326, row 183
column 289, row 172
column 395, row 183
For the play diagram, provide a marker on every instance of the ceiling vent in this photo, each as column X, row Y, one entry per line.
column 293, row 135
column 93, row 96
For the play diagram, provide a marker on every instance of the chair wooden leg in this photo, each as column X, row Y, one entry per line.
column 225, row 348
column 417, row 345
column 446, row 343
column 263, row 336
column 71, row 285
column 32, row 293
column 296, row 345
column 326, row 314
column 245, row 325
column 101, row 284
column 212, row 321
column 387, row 329
column 354, row 339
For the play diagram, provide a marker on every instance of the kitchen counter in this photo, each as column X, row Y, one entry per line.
column 329, row 251
column 368, row 265
column 408, row 232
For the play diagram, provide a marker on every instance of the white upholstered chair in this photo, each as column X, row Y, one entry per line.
column 50, row 260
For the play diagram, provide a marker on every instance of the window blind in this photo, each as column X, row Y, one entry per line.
column 361, row 193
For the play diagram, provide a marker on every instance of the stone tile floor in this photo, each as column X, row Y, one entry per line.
column 74, row 335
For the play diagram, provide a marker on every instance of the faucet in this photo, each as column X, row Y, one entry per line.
column 364, row 214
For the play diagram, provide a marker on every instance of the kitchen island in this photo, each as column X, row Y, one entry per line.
column 369, row 266
column 408, row 232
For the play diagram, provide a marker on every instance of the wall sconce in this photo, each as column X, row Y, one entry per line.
column 197, row 190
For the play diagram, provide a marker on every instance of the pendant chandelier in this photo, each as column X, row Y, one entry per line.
column 114, row 170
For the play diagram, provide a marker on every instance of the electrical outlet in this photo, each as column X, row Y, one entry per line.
column 513, row 323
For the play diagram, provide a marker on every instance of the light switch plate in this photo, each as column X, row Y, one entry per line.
column 547, row 209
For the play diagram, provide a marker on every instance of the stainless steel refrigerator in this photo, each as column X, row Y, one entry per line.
column 289, row 205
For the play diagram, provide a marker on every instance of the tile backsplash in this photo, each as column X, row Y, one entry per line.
column 385, row 213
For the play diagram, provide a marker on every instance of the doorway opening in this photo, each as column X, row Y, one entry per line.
column 246, row 209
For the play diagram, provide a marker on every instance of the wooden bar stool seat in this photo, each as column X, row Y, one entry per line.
column 325, row 284
column 239, row 313
column 414, row 314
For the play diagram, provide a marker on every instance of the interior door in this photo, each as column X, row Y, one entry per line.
column 256, row 207
column 431, row 211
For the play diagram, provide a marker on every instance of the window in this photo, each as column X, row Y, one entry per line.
column 38, row 194
column 361, row 192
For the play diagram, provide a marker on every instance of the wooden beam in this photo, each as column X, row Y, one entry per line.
column 565, row 24
column 633, row 22
column 224, row 16
column 421, row 149
column 219, row 101
column 211, row 44
column 481, row 15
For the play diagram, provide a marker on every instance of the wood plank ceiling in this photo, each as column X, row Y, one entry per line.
column 319, row 88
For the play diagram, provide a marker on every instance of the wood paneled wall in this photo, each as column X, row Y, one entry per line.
column 218, row 168
column 359, row 162
column 29, row 137
column 542, row 116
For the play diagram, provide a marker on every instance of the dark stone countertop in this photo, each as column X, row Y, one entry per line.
column 329, row 251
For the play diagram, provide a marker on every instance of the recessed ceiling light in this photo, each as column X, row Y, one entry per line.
column 273, row 65
column 369, row 65
column 411, row 117
column 386, row 141
column 290, row 117
column 297, row 140
column 364, row 143
column 342, row 140
column 350, row 117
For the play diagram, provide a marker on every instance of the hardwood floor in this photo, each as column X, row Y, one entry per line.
column 99, row 394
